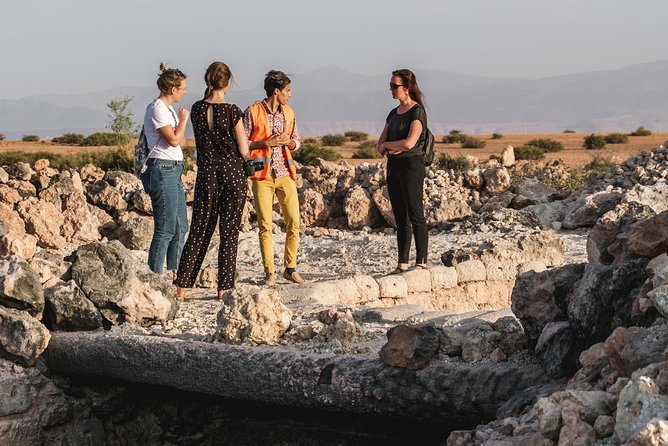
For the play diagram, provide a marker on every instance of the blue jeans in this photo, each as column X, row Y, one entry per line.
column 162, row 181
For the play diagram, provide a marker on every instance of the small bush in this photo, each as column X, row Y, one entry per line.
column 2, row 136
column 548, row 145
column 459, row 163
column 568, row 131
column 528, row 152
column 616, row 138
column 115, row 159
column 333, row 140
column 497, row 136
column 367, row 150
column 473, row 143
column 455, row 137
column 641, row 131
column 69, row 138
column 309, row 153
column 309, row 141
column 105, row 139
column 356, row 136
column 593, row 142
column 30, row 138
column 600, row 164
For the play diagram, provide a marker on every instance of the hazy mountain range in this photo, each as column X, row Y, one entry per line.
column 333, row 100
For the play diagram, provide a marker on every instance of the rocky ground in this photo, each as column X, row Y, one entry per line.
column 336, row 255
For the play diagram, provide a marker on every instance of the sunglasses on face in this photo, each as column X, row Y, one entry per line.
column 394, row 86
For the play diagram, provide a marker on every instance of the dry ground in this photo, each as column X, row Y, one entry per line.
column 573, row 154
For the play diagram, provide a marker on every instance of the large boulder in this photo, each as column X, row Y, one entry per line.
column 532, row 191
column 22, row 337
column 541, row 298
column 253, row 315
column 43, row 220
column 20, row 286
column 67, row 308
column 314, row 210
column 410, row 347
column 588, row 208
column 603, row 299
column 121, row 286
column 360, row 209
column 135, row 233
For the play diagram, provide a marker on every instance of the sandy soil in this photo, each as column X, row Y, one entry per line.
column 573, row 154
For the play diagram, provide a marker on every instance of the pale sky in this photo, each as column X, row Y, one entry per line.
column 84, row 46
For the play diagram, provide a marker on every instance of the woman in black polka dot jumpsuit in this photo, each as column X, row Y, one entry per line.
column 221, row 185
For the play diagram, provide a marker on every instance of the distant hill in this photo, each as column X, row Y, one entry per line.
column 332, row 100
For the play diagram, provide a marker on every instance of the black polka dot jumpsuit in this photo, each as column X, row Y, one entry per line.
column 220, row 194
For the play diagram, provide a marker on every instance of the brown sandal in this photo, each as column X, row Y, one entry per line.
column 180, row 293
column 420, row 266
column 397, row 270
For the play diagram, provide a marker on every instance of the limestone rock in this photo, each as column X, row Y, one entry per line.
column 20, row 286
column 496, row 180
column 382, row 201
column 43, row 220
column 360, row 209
column 252, row 315
column 135, row 233
column 22, row 337
column 313, row 210
column 639, row 403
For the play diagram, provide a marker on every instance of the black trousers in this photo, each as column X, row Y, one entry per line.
column 220, row 195
column 405, row 186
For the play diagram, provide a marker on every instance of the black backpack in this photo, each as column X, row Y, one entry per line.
column 428, row 148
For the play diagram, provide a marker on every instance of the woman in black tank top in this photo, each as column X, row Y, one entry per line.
column 401, row 140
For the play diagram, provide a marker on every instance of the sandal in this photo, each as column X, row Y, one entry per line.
column 398, row 270
column 420, row 266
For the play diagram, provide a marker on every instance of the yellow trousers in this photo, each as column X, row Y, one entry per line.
column 263, row 198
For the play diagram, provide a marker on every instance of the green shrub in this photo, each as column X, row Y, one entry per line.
column 459, row 163
column 116, row 159
column 356, row 136
column 367, row 150
column 69, row 138
column 593, row 142
column 548, row 145
column 105, row 139
column 497, row 136
column 528, row 152
column 189, row 160
column 469, row 142
column 309, row 153
column 333, row 140
column 2, row 136
column 599, row 164
column 309, row 141
column 568, row 131
column 455, row 137
column 641, row 131
column 616, row 138
column 30, row 138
